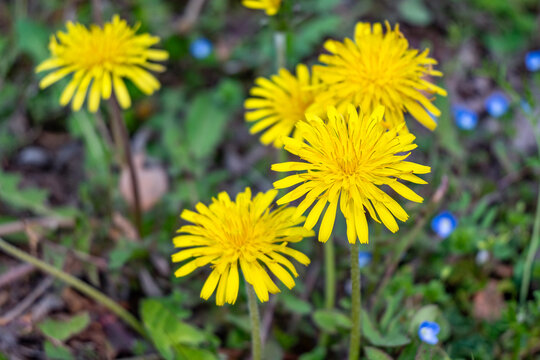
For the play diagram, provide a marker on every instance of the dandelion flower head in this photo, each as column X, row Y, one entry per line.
column 100, row 58
column 271, row 7
column 240, row 235
column 278, row 103
column 346, row 160
column 379, row 68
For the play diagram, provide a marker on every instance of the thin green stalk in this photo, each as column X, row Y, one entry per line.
column 123, row 137
column 256, row 345
column 280, row 42
column 330, row 274
column 356, row 304
column 75, row 283
column 280, row 45
column 535, row 238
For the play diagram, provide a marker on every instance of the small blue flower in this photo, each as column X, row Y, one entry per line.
column 364, row 258
column 497, row 104
column 482, row 257
column 427, row 332
column 444, row 224
column 525, row 106
column 465, row 118
column 532, row 60
column 200, row 48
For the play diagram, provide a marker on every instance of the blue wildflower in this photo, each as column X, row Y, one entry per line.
column 532, row 60
column 482, row 257
column 497, row 104
column 525, row 106
column 364, row 258
column 465, row 118
column 200, row 48
column 444, row 224
column 428, row 331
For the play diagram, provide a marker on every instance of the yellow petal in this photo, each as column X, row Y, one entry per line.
column 210, row 285
column 121, row 92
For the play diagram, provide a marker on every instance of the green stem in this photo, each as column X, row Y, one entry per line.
column 535, row 237
column 280, row 42
column 356, row 304
column 330, row 274
column 75, row 283
column 123, row 137
column 256, row 346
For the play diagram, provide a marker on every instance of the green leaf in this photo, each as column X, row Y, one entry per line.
column 295, row 304
column 63, row 330
column 32, row 38
column 22, row 199
column 311, row 34
column 54, row 352
column 170, row 335
column 331, row 320
column 190, row 353
column 319, row 353
column 374, row 336
column 124, row 251
column 205, row 126
column 415, row 12
column 376, row 354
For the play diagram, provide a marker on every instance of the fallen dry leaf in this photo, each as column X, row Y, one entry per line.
column 488, row 303
column 153, row 183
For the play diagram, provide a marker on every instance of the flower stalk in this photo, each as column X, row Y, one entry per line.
column 256, row 343
column 123, row 137
column 356, row 304
column 330, row 274
column 535, row 237
column 75, row 283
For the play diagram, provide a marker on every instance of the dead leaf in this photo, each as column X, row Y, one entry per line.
column 123, row 228
column 153, row 183
column 488, row 303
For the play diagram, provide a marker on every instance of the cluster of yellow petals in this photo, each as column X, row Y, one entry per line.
column 379, row 68
column 240, row 235
column 347, row 158
column 278, row 103
column 99, row 59
column 271, row 7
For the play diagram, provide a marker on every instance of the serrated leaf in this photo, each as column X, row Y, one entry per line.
column 64, row 330
column 376, row 354
column 169, row 334
column 331, row 320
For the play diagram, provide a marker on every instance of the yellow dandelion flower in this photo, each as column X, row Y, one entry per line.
column 347, row 159
column 244, row 235
column 271, row 7
column 380, row 69
column 278, row 103
column 99, row 59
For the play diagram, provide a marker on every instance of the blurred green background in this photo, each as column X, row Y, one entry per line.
column 60, row 197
